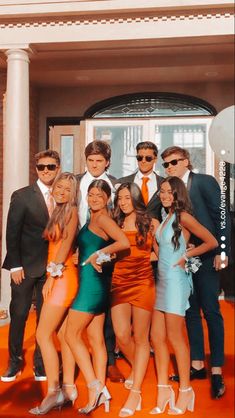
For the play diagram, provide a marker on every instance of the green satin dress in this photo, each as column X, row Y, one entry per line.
column 94, row 288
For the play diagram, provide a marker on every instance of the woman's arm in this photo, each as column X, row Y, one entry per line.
column 112, row 230
column 188, row 222
column 66, row 243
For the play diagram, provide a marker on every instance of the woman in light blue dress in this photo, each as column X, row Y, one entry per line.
column 174, row 286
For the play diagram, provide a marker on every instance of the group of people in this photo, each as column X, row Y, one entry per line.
column 122, row 229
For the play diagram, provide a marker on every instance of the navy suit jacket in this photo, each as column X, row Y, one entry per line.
column 154, row 205
column 27, row 219
column 205, row 195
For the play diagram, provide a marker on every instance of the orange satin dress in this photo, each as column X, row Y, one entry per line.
column 65, row 287
column 133, row 280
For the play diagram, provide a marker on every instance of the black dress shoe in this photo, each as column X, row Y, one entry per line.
column 217, row 386
column 194, row 374
column 114, row 374
column 39, row 374
column 13, row 370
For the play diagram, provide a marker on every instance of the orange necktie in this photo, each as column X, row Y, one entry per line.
column 49, row 202
column 144, row 189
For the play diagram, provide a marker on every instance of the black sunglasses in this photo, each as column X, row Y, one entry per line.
column 172, row 162
column 148, row 158
column 50, row 167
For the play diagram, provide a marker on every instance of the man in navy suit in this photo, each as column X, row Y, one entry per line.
column 205, row 196
column 146, row 155
column 98, row 155
column 27, row 257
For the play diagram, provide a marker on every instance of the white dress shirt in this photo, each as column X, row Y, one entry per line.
column 83, row 187
column 152, row 183
column 185, row 177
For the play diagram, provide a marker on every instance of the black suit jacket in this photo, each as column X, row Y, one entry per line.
column 205, row 195
column 154, row 205
column 27, row 219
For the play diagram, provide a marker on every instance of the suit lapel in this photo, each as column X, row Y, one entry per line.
column 41, row 201
column 189, row 182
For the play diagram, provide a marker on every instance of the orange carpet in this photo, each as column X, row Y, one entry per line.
column 17, row 397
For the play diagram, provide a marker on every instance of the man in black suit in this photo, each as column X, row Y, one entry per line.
column 205, row 196
column 146, row 178
column 98, row 155
column 27, row 257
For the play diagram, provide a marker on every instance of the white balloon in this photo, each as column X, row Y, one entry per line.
column 221, row 134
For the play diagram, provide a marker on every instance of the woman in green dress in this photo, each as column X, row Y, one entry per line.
column 98, row 240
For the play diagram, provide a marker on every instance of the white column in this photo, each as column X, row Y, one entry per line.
column 15, row 143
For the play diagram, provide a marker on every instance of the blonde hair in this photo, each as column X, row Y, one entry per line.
column 56, row 226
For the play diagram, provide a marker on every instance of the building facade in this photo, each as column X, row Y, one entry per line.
column 59, row 58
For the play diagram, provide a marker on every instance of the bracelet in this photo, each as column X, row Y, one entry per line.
column 55, row 269
column 102, row 257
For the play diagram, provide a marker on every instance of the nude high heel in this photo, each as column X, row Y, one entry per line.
column 189, row 406
column 102, row 397
column 127, row 412
column 170, row 400
column 69, row 397
column 55, row 400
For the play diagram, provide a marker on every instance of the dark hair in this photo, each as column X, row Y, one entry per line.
column 177, row 150
column 98, row 147
column 181, row 203
column 101, row 185
column 143, row 220
column 147, row 145
column 61, row 215
column 47, row 153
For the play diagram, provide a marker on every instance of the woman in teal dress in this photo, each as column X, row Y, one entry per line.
column 98, row 240
column 174, row 286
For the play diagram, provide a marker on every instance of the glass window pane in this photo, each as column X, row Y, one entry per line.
column 66, row 153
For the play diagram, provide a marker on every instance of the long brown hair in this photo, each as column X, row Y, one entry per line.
column 143, row 220
column 61, row 215
column 181, row 203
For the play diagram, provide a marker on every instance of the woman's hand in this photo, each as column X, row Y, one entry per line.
column 92, row 260
column 47, row 288
column 181, row 263
column 75, row 257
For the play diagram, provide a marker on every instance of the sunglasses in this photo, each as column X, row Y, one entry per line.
column 172, row 162
column 147, row 158
column 50, row 167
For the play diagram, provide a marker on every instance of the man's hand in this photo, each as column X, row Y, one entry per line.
column 17, row 276
column 218, row 262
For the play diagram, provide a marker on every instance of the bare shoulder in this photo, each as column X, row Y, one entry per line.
column 186, row 218
column 103, row 219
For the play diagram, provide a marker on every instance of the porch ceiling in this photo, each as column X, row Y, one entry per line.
column 191, row 60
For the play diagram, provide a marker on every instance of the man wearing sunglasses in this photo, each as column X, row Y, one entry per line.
column 205, row 196
column 146, row 178
column 27, row 257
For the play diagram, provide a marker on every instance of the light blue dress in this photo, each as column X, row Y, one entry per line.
column 174, row 285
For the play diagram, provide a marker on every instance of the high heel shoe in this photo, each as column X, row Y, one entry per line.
column 72, row 396
column 170, row 400
column 102, row 397
column 189, row 406
column 127, row 412
column 55, row 399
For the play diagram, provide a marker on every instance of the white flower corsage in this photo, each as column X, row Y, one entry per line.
column 192, row 264
column 102, row 257
column 55, row 269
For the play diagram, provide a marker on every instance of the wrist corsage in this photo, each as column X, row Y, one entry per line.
column 55, row 269
column 102, row 257
column 192, row 264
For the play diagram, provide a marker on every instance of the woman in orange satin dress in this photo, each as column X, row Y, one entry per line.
column 58, row 292
column 133, row 289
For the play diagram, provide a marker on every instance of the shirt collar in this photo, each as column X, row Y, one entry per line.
column 44, row 189
column 90, row 178
column 140, row 175
column 185, row 177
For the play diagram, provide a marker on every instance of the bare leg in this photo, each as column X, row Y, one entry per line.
column 50, row 318
column 99, row 353
column 67, row 361
column 161, row 354
column 121, row 317
column 176, row 333
column 141, row 324
column 77, row 322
